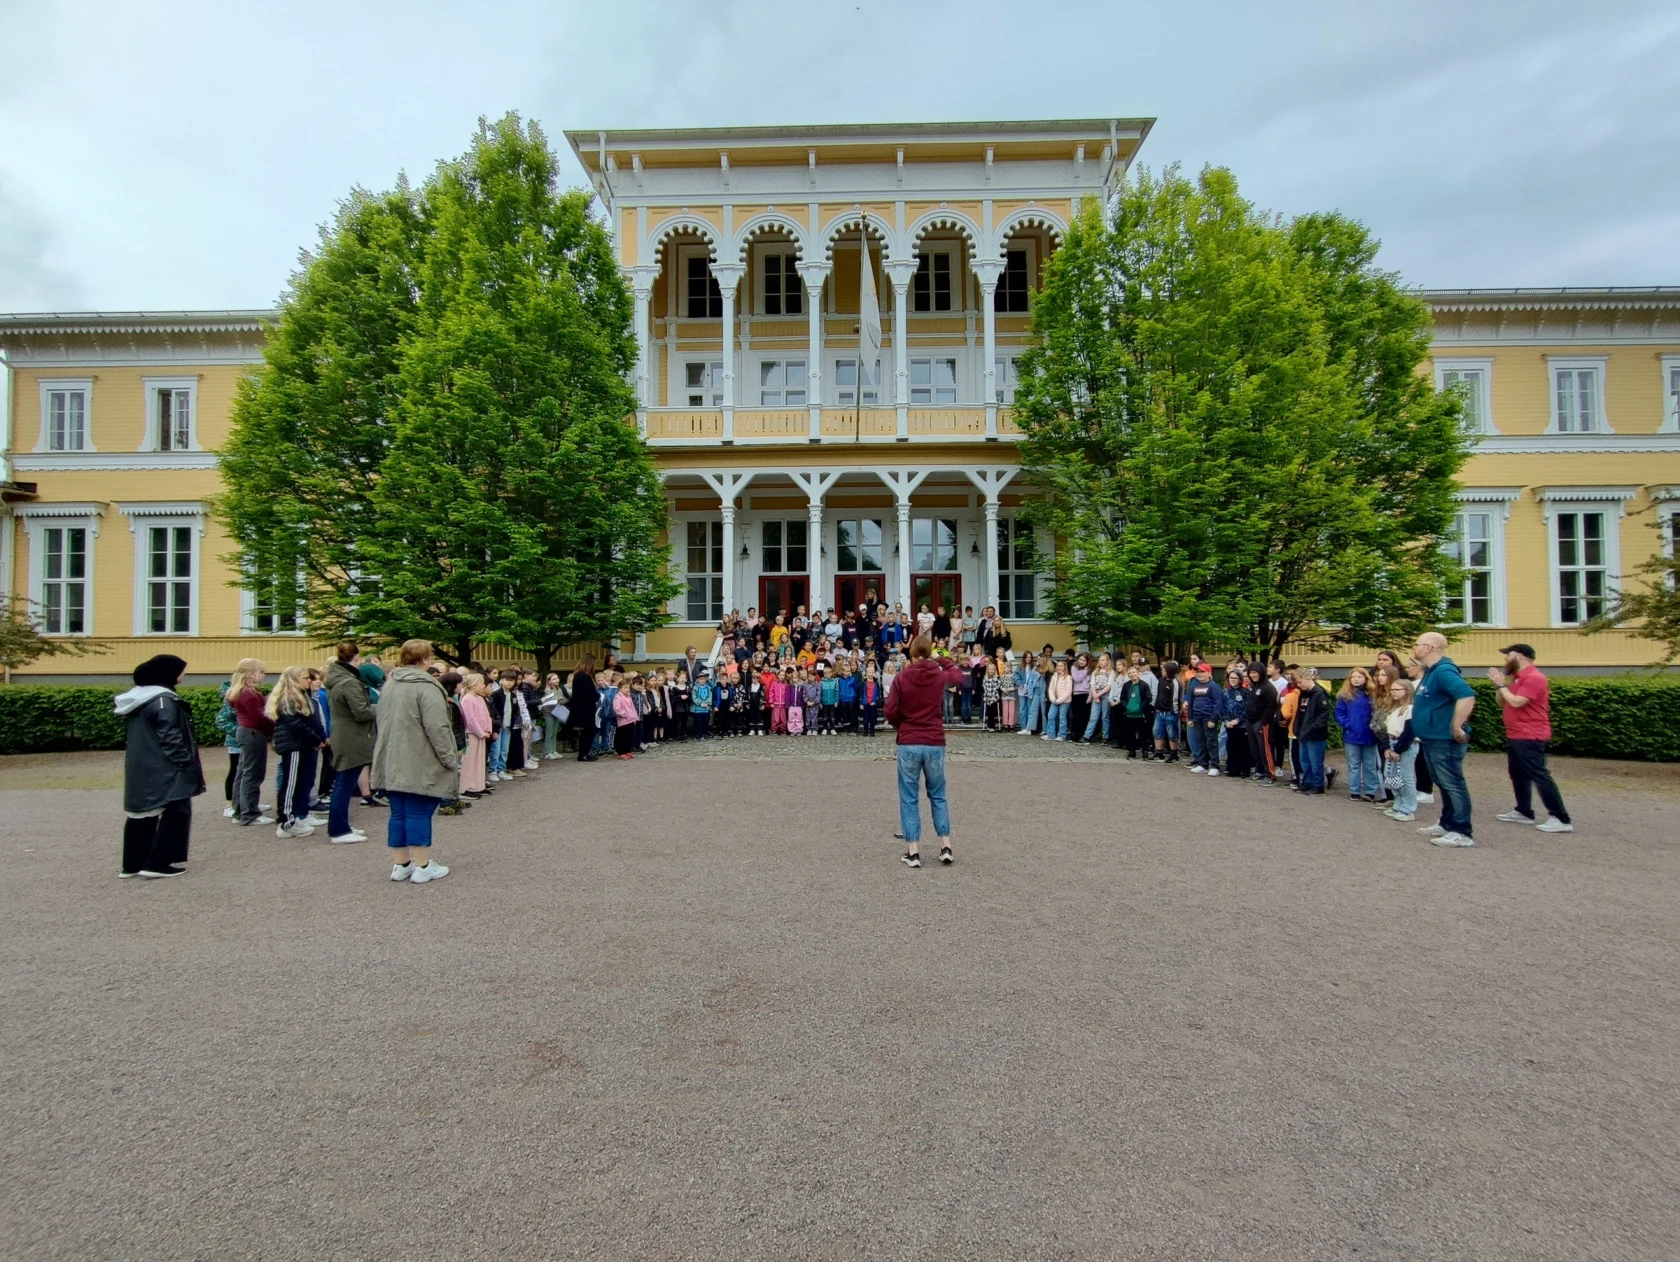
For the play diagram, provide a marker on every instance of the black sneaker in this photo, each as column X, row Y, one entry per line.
column 945, row 855
column 912, row 859
column 1329, row 778
column 162, row 870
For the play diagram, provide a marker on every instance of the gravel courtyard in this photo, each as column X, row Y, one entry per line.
column 692, row 1006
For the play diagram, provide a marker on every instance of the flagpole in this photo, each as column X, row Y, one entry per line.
column 863, row 256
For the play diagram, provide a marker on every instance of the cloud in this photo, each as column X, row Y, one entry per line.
column 28, row 280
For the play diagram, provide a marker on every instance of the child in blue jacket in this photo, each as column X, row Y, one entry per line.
column 1359, row 743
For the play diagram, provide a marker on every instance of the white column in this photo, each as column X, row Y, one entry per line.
column 813, row 278
column 643, row 337
column 728, row 512
column 989, row 547
column 728, row 278
column 987, row 273
column 813, row 552
column 901, row 270
column 904, row 555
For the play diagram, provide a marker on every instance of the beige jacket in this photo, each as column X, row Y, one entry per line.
column 415, row 751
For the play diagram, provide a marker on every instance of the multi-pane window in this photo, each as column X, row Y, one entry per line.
column 1470, row 385
column 846, row 383
column 705, row 571
column 933, row 381
column 933, row 545
column 859, row 546
column 782, row 383
column 66, row 420
column 169, row 580
column 1581, row 569
column 1005, row 381
column 1015, row 283
column 1578, row 395
column 784, row 549
column 1671, row 396
column 276, row 601
column 931, row 288
column 784, row 292
column 174, row 420
column 705, row 300
column 1472, row 548
column 64, row 580
column 703, row 383
column 1017, row 583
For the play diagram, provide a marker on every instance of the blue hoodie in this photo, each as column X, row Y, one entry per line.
column 1205, row 699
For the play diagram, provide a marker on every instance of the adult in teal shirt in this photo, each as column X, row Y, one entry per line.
column 1441, row 707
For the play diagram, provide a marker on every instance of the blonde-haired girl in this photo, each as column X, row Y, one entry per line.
column 252, row 734
column 299, row 738
column 1359, row 742
column 475, row 714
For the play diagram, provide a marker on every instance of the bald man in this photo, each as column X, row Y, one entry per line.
column 1440, row 709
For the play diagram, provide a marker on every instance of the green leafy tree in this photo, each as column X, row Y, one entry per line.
column 456, row 464
column 1654, row 603
column 1228, row 419
column 22, row 643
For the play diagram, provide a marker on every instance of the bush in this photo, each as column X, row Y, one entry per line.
column 40, row 718
column 1634, row 717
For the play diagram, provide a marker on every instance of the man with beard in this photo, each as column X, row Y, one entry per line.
column 1525, row 700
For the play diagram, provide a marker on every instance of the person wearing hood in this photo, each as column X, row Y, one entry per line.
column 415, row 762
column 914, row 708
column 161, row 770
column 352, row 710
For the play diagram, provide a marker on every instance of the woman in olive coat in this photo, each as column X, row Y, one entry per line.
column 161, row 770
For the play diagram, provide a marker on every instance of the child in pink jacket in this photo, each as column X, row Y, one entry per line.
column 778, row 706
column 624, row 710
column 476, row 715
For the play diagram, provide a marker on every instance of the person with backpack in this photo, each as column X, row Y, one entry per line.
column 161, row 770
column 1525, row 704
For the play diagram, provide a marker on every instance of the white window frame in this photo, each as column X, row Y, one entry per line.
column 155, row 386
column 39, row 518
column 1483, row 391
column 1006, row 365
column 955, row 358
column 1597, row 364
column 142, row 519
column 761, row 280
column 786, row 525
column 789, row 375
column 1013, row 523
column 54, row 385
column 1496, row 502
column 680, row 287
column 1030, row 246
column 679, row 552
column 876, row 387
column 861, row 517
column 248, row 613
column 1670, row 394
column 1609, row 500
column 713, row 367
column 953, row 257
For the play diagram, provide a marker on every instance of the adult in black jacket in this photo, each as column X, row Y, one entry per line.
column 1259, row 713
column 161, row 770
column 586, row 699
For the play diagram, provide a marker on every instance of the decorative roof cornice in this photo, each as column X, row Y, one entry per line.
column 1602, row 298
column 53, row 323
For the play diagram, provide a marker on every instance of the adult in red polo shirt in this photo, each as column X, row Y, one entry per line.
column 1525, row 702
column 916, row 709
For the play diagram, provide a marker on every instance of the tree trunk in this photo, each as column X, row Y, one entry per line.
column 545, row 659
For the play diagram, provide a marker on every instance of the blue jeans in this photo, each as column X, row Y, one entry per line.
column 1446, row 764
column 411, row 820
column 345, row 784
column 1029, row 711
column 1055, row 727
column 1312, row 764
column 1405, row 797
column 1364, row 771
column 498, row 752
column 1099, row 718
column 1204, row 742
column 914, row 763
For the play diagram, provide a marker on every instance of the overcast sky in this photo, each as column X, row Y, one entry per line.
column 162, row 156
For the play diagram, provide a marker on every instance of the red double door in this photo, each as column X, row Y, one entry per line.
column 783, row 593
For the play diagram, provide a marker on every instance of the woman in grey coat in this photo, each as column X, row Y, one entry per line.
column 415, row 761
column 161, row 770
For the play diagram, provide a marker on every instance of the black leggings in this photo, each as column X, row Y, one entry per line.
column 585, row 739
column 232, row 775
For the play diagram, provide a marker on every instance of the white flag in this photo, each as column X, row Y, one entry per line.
column 869, row 317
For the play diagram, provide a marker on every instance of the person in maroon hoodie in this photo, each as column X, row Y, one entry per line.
column 916, row 708
column 255, row 731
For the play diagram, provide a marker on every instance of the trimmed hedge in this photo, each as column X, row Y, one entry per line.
column 39, row 718
column 1633, row 717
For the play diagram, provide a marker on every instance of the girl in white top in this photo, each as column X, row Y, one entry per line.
column 1102, row 680
column 1402, row 749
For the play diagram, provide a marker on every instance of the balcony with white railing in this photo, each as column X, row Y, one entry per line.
column 709, row 427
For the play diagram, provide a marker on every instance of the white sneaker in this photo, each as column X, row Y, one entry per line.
column 401, row 871
column 345, row 839
column 431, row 872
column 1212, row 771
column 1200, row 771
column 1554, row 825
column 227, row 812
column 1426, row 799
column 265, row 818
column 1401, row 816
column 298, row 829
column 1047, row 737
column 1451, row 839
column 1432, row 830
column 1514, row 817
column 315, row 821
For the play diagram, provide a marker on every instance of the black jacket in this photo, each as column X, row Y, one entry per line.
column 293, row 732
column 1312, row 716
column 160, row 764
column 1261, row 705
column 586, row 699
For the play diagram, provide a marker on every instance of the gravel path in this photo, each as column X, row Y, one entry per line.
column 693, row 1006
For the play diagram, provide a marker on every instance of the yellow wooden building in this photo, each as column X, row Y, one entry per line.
column 796, row 475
